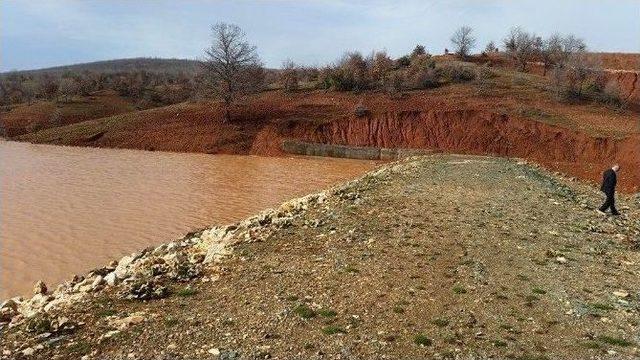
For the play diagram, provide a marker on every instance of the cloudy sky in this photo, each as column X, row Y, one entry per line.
column 41, row 33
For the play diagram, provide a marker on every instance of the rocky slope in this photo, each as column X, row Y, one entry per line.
column 436, row 257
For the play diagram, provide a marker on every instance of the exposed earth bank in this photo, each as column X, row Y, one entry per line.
column 578, row 140
column 450, row 257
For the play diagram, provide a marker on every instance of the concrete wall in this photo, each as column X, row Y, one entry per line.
column 351, row 152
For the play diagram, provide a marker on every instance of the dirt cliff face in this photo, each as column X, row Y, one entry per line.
column 471, row 132
column 627, row 83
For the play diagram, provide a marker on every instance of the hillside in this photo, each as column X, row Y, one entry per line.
column 436, row 257
column 510, row 114
column 42, row 114
column 153, row 65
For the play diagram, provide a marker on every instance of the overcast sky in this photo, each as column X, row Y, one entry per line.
column 42, row 33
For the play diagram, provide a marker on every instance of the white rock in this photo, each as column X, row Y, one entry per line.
column 111, row 278
column 123, row 264
column 214, row 351
column 28, row 351
column 621, row 293
column 561, row 259
column 99, row 280
column 124, row 323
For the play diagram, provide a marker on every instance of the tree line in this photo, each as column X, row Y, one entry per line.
column 232, row 68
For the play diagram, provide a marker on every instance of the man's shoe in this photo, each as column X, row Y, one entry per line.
column 615, row 213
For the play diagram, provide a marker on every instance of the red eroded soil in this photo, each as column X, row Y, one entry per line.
column 422, row 120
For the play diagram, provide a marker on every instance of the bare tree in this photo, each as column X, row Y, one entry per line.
column 290, row 75
column 522, row 46
column 491, row 47
column 232, row 66
column 67, row 88
column 557, row 50
column 463, row 41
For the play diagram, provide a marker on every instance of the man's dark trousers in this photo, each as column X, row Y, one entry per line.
column 609, row 180
column 610, row 203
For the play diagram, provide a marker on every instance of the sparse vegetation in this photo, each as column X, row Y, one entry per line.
column 332, row 329
column 305, row 312
column 422, row 340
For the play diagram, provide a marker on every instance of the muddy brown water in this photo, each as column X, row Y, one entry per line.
column 66, row 210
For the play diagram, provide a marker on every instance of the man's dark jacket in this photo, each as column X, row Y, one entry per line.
column 609, row 180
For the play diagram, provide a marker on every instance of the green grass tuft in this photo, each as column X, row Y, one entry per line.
column 422, row 340
column 614, row 341
column 459, row 290
column 440, row 322
column 332, row 329
column 186, row 292
column 304, row 312
column 327, row 313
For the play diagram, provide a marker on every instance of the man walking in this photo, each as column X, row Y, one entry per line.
column 609, row 180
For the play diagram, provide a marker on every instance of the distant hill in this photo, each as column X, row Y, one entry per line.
column 155, row 65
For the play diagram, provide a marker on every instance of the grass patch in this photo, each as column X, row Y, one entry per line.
column 591, row 345
column 398, row 310
column 80, row 348
column 538, row 291
column 327, row 313
column 332, row 329
column 459, row 290
column 170, row 322
column 292, row 298
column 499, row 343
column 351, row 269
column 614, row 341
column 601, row 306
column 422, row 340
column 304, row 312
column 186, row 292
column 440, row 322
column 106, row 312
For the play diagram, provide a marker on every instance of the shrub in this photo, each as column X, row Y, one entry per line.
column 304, row 312
column 483, row 79
column 403, row 61
column 458, row 73
column 422, row 340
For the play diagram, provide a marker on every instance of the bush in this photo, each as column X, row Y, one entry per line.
column 404, row 61
column 458, row 73
column 394, row 83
